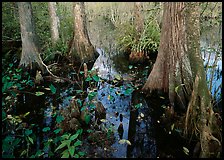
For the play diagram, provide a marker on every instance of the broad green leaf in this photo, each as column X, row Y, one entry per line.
column 89, row 130
column 103, row 120
column 79, row 91
column 79, row 102
column 53, row 89
column 186, row 151
column 74, row 137
column 81, row 153
column 138, row 106
column 76, row 156
column 118, row 77
column 71, row 150
column 39, row 93
column 81, row 72
column 77, row 143
column 128, row 91
column 87, row 118
column 28, row 132
column 66, row 136
column 130, row 66
column 91, row 95
column 30, row 139
column 65, row 154
column 56, row 131
column 59, row 119
column 16, row 142
column 96, row 78
column 62, row 145
column 45, row 129
column 79, row 131
column 88, row 79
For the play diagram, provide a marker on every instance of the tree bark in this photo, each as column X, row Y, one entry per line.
column 81, row 47
column 138, row 19
column 172, row 66
column 201, row 102
column 30, row 51
column 54, row 22
column 179, row 63
column 137, row 55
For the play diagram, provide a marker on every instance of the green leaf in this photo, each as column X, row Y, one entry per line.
column 130, row 66
column 10, row 65
column 59, row 119
column 39, row 93
column 62, row 145
column 138, row 106
column 118, row 77
column 87, row 118
column 176, row 88
column 89, row 130
column 56, row 131
column 66, row 136
column 79, row 131
column 186, row 151
column 28, row 132
column 79, row 102
column 53, row 89
column 30, row 139
column 172, row 126
column 91, row 95
column 128, row 91
column 46, row 129
column 88, row 79
column 77, row 143
column 79, row 91
column 16, row 142
column 81, row 72
column 96, row 78
column 122, row 141
column 74, row 137
column 81, row 153
column 71, row 150
column 65, row 154
column 76, row 156
column 26, row 114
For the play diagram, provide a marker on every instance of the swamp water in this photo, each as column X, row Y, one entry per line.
column 138, row 124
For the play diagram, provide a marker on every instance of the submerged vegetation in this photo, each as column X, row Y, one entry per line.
column 85, row 112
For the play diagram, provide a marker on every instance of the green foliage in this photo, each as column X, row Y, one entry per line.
column 149, row 40
column 10, row 21
column 53, row 89
column 70, row 145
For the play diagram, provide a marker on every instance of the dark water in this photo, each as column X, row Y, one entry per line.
column 146, row 138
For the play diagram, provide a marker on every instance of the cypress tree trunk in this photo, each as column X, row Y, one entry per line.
column 30, row 57
column 171, row 72
column 54, row 22
column 81, row 47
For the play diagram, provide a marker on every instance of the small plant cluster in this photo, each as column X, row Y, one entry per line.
column 149, row 40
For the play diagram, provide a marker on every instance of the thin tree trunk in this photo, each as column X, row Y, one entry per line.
column 54, row 22
column 137, row 55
